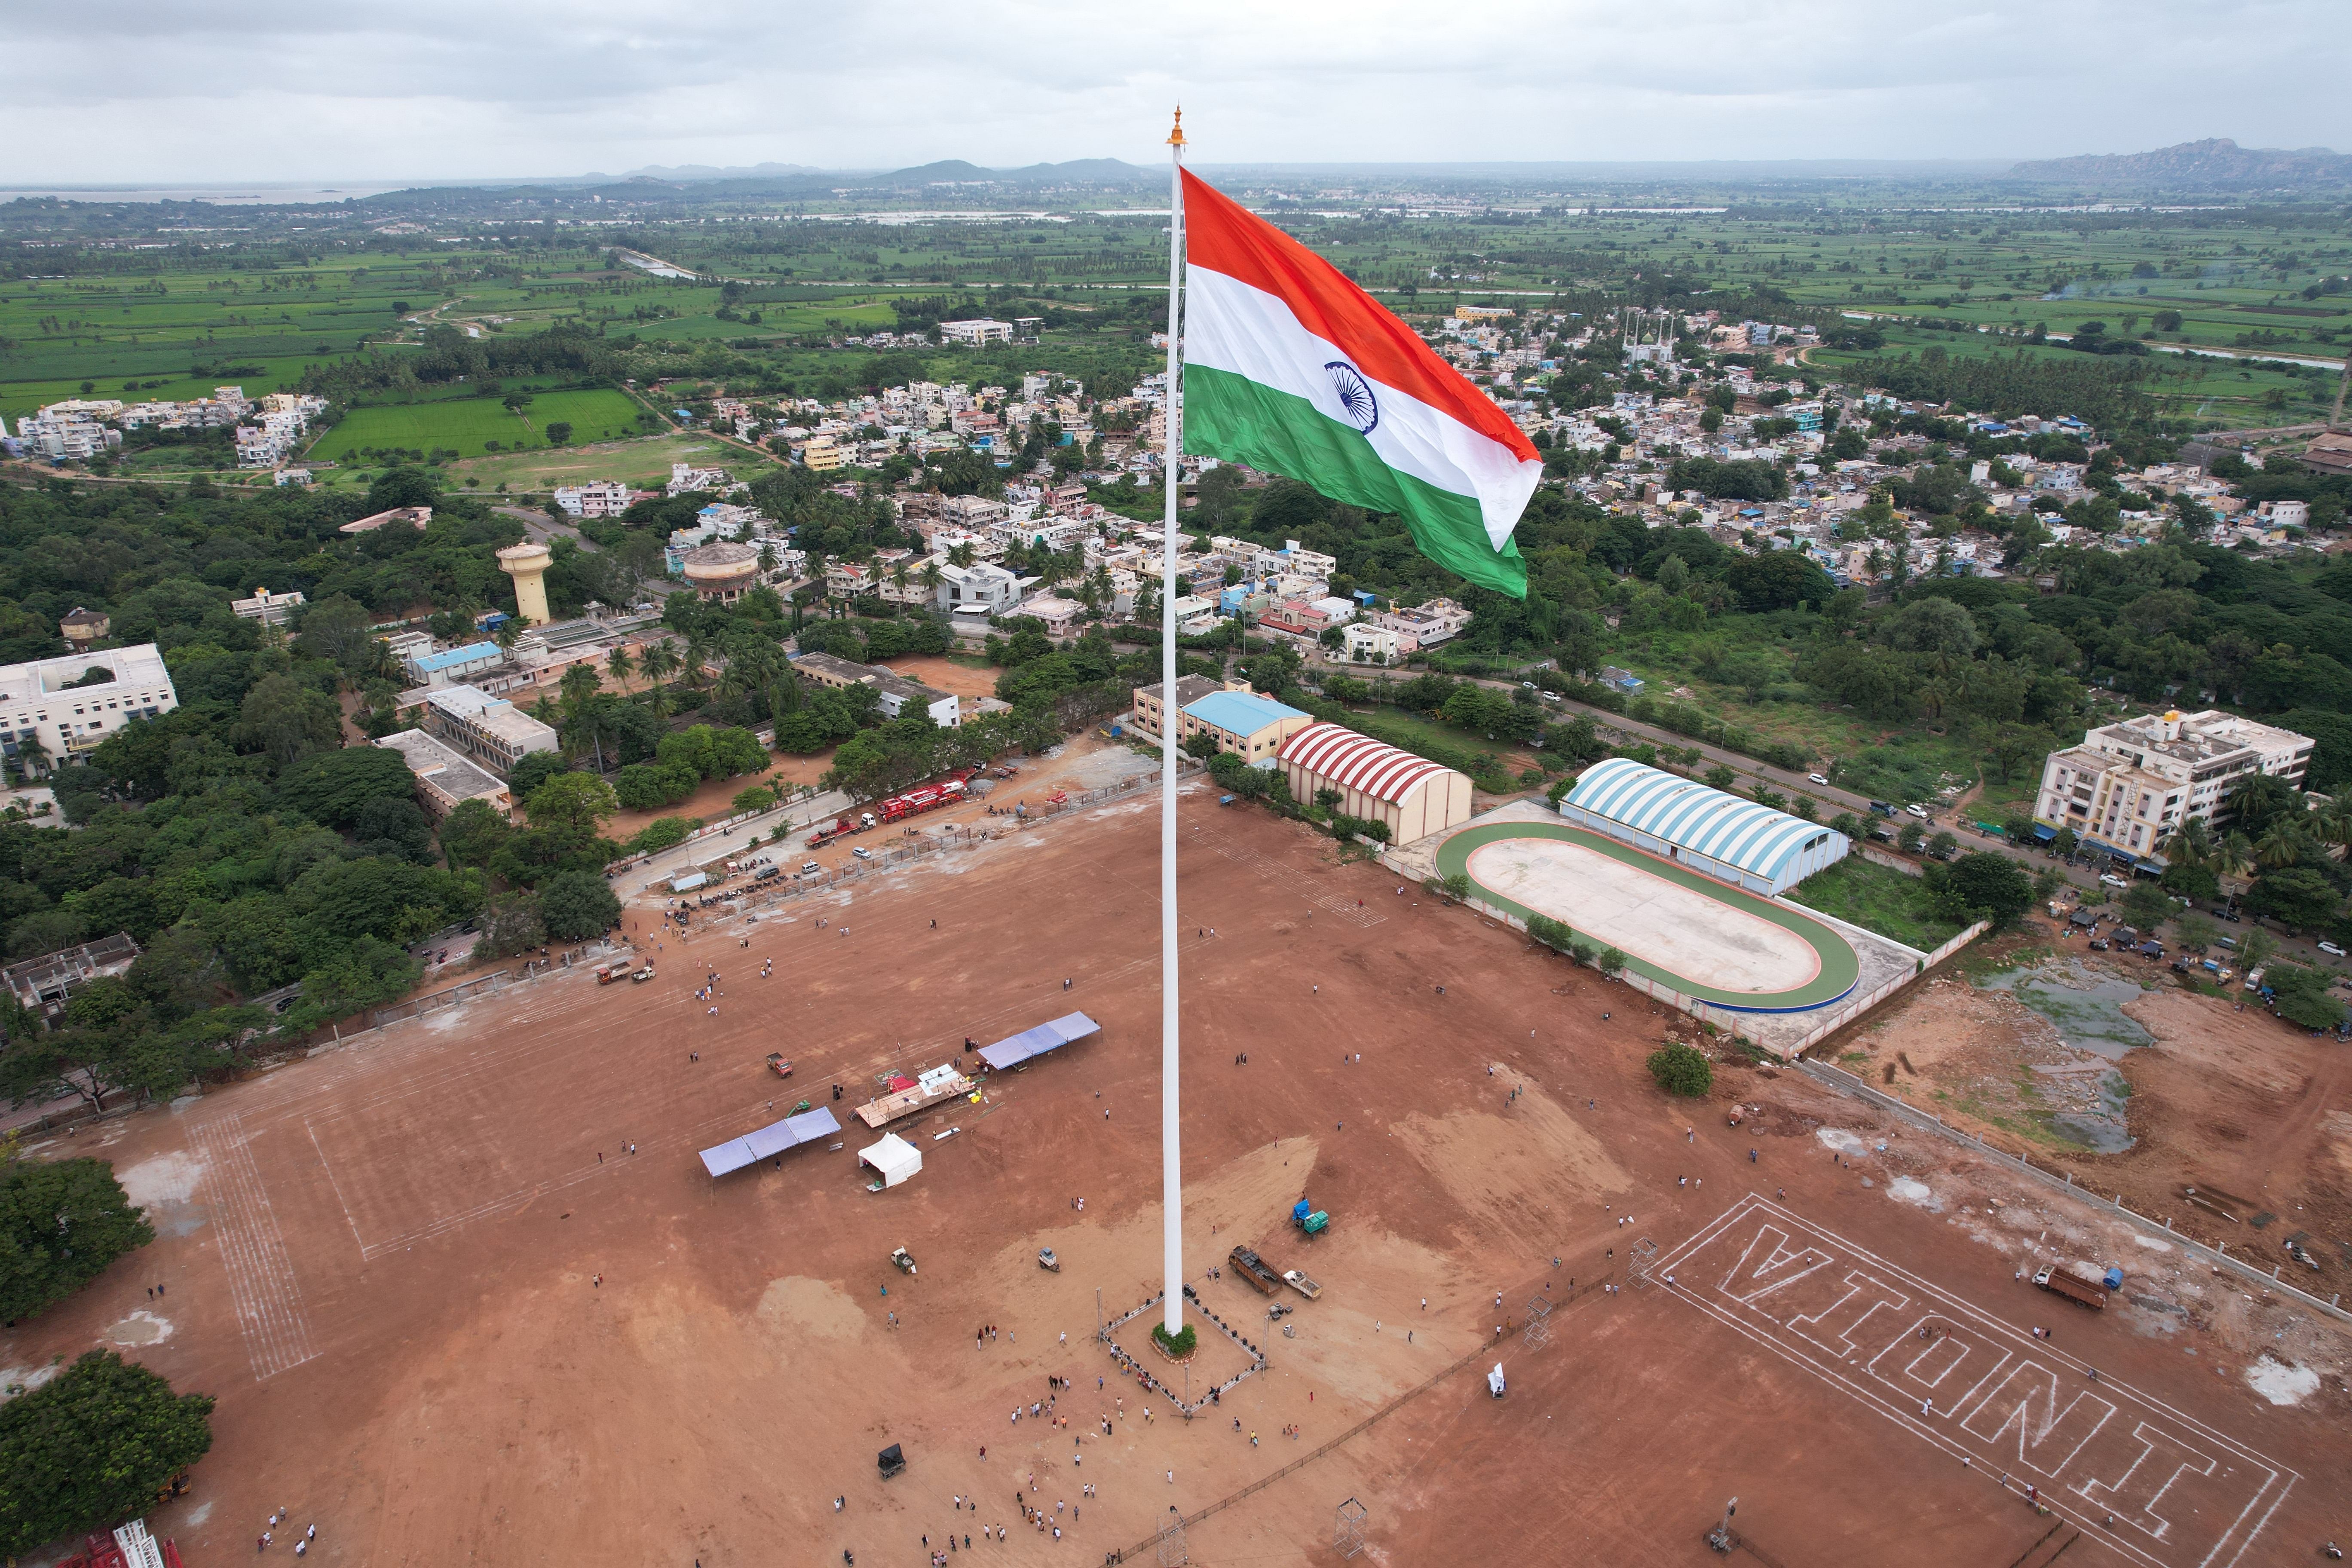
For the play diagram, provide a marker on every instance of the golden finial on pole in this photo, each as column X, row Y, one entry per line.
column 1176, row 137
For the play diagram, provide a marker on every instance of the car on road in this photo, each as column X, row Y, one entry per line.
column 810, row 869
column 1816, row 778
column 1916, row 809
column 2331, row 950
column 2110, row 879
column 863, row 853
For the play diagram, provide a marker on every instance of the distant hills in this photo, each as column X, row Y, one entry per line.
column 2217, row 164
column 803, row 176
column 707, row 171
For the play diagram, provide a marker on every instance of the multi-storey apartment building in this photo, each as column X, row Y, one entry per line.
column 2130, row 786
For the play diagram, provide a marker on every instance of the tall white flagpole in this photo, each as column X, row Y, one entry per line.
column 1171, row 1157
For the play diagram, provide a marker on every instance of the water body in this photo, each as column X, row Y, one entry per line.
column 2088, row 1007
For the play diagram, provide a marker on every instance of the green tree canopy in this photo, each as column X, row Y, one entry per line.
column 90, row 1448
column 1682, row 1069
column 61, row 1223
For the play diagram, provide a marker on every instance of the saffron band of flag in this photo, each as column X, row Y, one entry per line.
column 1291, row 368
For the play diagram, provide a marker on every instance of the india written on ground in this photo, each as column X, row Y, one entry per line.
column 677, row 846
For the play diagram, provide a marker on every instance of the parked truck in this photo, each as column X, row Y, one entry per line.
column 1300, row 1283
column 2066, row 1282
column 1253, row 1269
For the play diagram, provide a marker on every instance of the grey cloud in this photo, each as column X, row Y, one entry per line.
column 437, row 88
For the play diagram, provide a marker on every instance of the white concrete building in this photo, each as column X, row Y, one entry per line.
column 489, row 729
column 597, row 498
column 1364, row 643
column 1427, row 625
column 270, row 609
column 2130, row 786
column 976, row 332
column 57, row 702
column 979, row 589
column 686, row 479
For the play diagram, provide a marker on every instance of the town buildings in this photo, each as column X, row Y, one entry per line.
column 490, row 731
column 270, row 609
column 1237, row 718
column 54, row 708
column 597, row 498
column 1409, row 796
column 82, row 627
column 448, row 667
column 444, row 778
column 2130, row 786
column 897, row 694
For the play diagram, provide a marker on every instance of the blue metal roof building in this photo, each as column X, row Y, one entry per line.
column 1726, row 837
column 1249, row 726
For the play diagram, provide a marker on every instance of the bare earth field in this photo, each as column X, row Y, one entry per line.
column 449, row 1314
column 2251, row 1114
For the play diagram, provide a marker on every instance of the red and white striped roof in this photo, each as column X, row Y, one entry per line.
column 1351, row 761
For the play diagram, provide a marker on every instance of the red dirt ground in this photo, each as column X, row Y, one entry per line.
column 448, row 1316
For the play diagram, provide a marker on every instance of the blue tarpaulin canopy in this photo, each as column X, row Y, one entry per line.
column 753, row 1147
column 1037, row 1042
column 2044, row 832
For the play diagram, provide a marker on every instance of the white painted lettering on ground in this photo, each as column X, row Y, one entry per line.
column 2181, row 1494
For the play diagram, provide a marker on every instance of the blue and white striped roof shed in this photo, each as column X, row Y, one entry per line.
column 1726, row 836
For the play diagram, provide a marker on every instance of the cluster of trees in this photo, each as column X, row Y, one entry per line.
column 2105, row 393
column 446, row 354
column 89, row 1446
column 683, row 761
column 238, row 838
column 61, row 1223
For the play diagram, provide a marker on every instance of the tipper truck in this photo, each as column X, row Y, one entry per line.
column 2064, row 1282
column 1253, row 1269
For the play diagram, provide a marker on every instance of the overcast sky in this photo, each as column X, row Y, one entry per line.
column 183, row 90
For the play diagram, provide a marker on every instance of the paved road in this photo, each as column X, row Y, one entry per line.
column 685, row 856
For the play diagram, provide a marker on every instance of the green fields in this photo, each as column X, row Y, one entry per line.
column 1893, row 271
column 476, row 425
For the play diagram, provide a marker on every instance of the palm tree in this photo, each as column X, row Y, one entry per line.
column 658, row 661
column 2282, row 844
column 2191, row 844
column 931, row 576
column 961, row 555
column 578, row 684
column 620, row 665
column 690, row 666
column 2336, row 824
column 2235, row 858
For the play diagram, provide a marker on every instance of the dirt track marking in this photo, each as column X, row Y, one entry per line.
column 2181, row 1494
column 1313, row 890
column 261, row 1282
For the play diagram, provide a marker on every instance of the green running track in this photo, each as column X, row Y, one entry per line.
column 1840, row 967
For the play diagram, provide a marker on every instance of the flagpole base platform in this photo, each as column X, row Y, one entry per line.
column 1130, row 1366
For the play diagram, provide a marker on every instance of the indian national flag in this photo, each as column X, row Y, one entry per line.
column 1291, row 368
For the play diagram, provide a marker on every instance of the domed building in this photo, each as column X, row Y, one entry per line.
column 721, row 574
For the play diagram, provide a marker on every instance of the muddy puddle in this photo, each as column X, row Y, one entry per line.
column 2088, row 1009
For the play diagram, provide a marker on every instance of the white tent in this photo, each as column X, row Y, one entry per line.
column 895, row 1157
